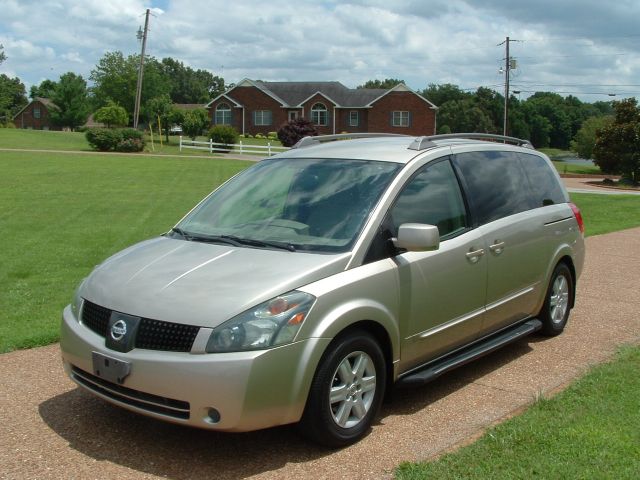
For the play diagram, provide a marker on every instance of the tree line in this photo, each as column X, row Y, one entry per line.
column 546, row 119
column 166, row 82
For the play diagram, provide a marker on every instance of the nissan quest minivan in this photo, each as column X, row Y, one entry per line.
column 306, row 286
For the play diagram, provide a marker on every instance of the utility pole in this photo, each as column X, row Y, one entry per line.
column 143, row 35
column 507, row 69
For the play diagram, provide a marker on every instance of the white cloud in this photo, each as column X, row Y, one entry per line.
column 420, row 41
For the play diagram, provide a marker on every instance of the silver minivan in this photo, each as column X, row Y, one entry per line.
column 309, row 284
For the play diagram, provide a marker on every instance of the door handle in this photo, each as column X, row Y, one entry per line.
column 474, row 255
column 497, row 247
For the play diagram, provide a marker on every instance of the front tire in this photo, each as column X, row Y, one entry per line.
column 558, row 301
column 346, row 391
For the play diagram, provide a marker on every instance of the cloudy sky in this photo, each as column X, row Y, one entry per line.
column 589, row 48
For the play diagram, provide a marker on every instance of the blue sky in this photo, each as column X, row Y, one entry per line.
column 586, row 48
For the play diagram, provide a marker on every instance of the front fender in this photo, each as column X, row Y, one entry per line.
column 366, row 293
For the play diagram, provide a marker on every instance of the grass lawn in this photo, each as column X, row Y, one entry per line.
column 607, row 213
column 42, row 140
column 76, row 141
column 61, row 214
column 564, row 167
column 590, row 430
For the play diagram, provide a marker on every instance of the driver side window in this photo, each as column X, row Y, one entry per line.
column 433, row 197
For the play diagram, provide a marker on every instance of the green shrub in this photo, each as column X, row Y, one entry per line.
column 115, row 139
column 103, row 139
column 247, row 135
column 132, row 140
column 224, row 134
column 259, row 135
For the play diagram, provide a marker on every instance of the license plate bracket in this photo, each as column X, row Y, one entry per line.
column 109, row 368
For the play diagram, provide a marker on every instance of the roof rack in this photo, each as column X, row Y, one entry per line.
column 422, row 143
column 308, row 141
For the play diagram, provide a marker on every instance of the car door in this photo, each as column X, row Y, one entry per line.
column 441, row 292
column 517, row 251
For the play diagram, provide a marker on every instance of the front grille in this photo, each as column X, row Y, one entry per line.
column 157, row 335
column 151, row 335
column 95, row 317
column 129, row 396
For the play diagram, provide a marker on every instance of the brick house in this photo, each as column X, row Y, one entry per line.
column 253, row 107
column 35, row 115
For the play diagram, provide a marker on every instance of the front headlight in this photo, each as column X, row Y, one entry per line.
column 76, row 302
column 271, row 323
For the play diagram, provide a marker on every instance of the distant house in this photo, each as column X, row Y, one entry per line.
column 260, row 107
column 35, row 115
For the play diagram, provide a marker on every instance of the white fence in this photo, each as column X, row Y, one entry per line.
column 211, row 147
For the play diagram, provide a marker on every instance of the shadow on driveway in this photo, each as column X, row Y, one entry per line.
column 101, row 431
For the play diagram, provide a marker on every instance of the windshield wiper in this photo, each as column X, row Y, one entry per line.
column 182, row 233
column 260, row 243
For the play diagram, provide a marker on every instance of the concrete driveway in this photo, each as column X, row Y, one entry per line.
column 50, row 429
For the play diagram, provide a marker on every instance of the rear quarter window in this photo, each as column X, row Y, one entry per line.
column 545, row 188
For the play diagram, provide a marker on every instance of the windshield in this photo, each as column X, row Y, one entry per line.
column 303, row 204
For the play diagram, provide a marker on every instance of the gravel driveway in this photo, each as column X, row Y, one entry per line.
column 50, row 429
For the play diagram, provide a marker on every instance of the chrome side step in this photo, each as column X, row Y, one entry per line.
column 433, row 370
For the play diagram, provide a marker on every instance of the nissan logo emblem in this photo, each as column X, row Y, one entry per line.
column 118, row 330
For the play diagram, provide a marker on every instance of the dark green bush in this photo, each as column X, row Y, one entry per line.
column 224, row 134
column 115, row 139
column 103, row 139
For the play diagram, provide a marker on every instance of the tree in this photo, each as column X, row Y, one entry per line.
column 188, row 85
column 617, row 148
column 585, row 139
column 195, row 122
column 441, row 94
column 70, row 101
column 463, row 116
column 385, row 84
column 13, row 97
column 115, row 78
column 3, row 57
column 46, row 89
column 552, row 108
column 161, row 107
column 294, row 130
column 112, row 115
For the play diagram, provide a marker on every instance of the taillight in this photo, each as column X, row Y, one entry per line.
column 578, row 215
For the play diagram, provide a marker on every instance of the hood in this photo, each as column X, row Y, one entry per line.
column 201, row 284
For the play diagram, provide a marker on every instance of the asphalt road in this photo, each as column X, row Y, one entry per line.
column 49, row 429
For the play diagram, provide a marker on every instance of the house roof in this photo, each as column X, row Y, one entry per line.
column 45, row 101
column 294, row 94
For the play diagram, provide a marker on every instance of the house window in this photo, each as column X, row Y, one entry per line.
column 319, row 114
column 293, row 114
column 354, row 118
column 36, row 112
column 262, row 117
column 223, row 114
column 400, row 119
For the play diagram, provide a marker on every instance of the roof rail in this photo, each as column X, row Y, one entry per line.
column 316, row 140
column 422, row 143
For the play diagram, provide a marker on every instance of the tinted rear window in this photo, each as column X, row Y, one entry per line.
column 545, row 188
column 496, row 183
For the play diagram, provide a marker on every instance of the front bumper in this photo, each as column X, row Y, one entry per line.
column 250, row 390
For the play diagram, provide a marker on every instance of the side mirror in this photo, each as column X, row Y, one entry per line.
column 417, row 237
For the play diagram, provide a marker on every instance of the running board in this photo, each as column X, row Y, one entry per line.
column 466, row 355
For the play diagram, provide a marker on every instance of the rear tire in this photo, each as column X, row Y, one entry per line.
column 558, row 301
column 346, row 391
